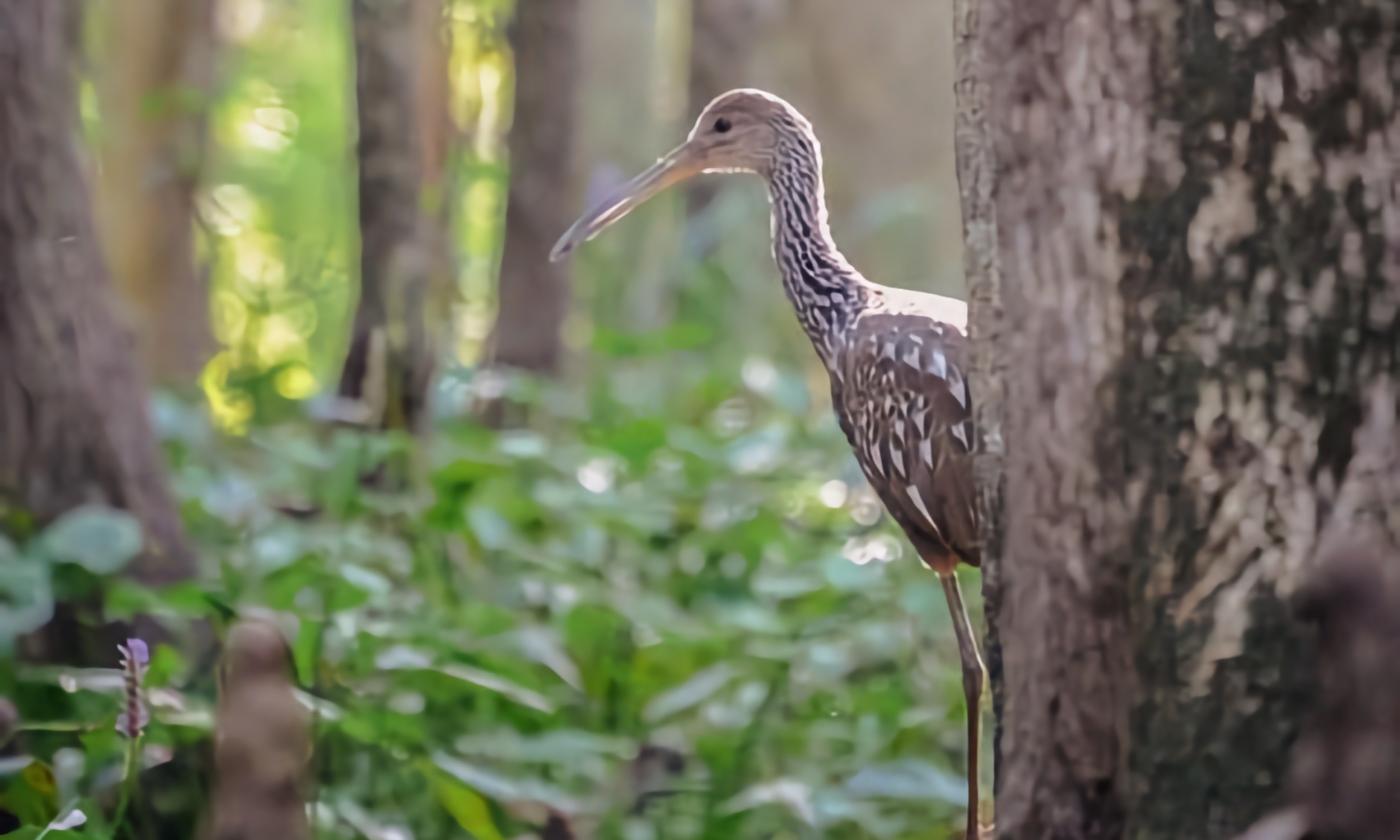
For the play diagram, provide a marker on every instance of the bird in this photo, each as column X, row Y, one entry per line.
column 896, row 358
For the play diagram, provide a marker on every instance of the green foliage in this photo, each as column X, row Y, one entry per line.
column 99, row 539
column 504, row 639
column 86, row 541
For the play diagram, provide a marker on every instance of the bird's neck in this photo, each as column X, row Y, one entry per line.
column 825, row 290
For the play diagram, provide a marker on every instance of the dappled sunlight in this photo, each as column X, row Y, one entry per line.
column 239, row 20
column 230, row 410
column 271, row 128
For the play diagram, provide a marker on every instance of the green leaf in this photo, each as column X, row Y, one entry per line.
column 26, row 596
column 489, row 527
column 693, row 691
column 32, row 794
column 569, row 748
column 187, row 599
column 908, row 779
column 500, row 685
column 504, row 788
column 100, row 539
column 543, row 645
column 466, row 806
column 791, row 794
column 305, row 649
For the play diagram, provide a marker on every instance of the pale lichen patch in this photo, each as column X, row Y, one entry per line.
column 1295, row 162
column 1268, row 92
column 1225, row 217
column 1238, row 21
column 1309, row 70
column 1228, row 628
column 1374, row 72
column 1249, row 464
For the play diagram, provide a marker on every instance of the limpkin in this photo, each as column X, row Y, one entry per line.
column 895, row 357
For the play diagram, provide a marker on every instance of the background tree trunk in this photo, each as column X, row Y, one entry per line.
column 1198, row 217
column 73, row 420
column 389, row 366
column 722, row 37
column 154, row 80
column 533, row 292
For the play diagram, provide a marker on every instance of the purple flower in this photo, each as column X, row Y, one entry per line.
column 132, row 721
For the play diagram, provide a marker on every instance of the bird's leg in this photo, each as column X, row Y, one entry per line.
column 972, row 676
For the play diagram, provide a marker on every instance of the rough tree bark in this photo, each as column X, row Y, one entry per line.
column 533, row 292
column 73, row 420
column 388, row 368
column 1198, row 216
column 153, row 81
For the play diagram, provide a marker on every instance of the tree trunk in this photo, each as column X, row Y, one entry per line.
column 154, row 77
column 981, row 263
column 1198, row 223
column 388, row 369
column 73, row 420
column 722, row 37
column 533, row 292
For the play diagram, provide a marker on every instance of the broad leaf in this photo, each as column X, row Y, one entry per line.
column 100, row 539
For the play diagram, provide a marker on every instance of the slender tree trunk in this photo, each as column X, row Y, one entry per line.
column 722, row 38
column 534, row 293
column 73, row 420
column 389, row 366
column 981, row 262
column 154, row 79
column 1198, row 218
column 440, row 140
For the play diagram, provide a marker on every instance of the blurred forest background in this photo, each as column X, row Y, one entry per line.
column 557, row 548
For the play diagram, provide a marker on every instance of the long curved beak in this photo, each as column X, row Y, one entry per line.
column 679, row 164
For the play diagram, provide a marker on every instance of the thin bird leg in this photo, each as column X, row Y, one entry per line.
column 972, row 675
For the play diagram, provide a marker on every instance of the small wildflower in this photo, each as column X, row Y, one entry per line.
column 135, row 657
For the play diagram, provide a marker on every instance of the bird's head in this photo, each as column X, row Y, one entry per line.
column 737, row 132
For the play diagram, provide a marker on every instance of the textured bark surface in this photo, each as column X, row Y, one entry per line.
column 534, row 293
column 982, row 265
column 1198, row 214
column 389, row 365
column 1344, row 768
column 154, row 79
column 73, row 417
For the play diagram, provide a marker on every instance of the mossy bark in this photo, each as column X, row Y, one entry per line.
column 1198, row 217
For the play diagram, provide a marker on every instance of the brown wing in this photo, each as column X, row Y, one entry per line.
column 907, row 411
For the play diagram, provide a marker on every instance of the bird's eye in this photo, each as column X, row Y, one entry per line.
column 722, row 125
